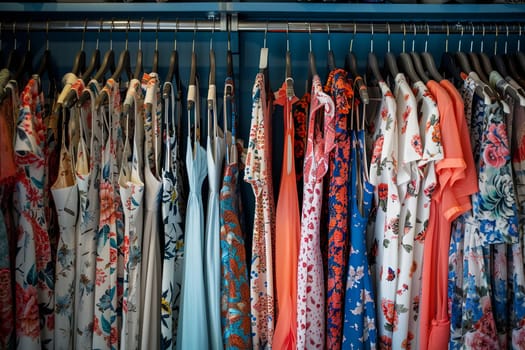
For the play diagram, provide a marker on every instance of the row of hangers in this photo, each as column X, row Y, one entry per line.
column 417, row 66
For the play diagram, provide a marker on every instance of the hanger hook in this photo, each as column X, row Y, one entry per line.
column 388, row 36
column 194, row 35
column 229, row 37
column 372, row 37
column 157, row 35
column 28, row 36
column 265, row 34
column 140, row 32
column 175, row 39
column 98, row 34
column 111, row 34
column 482, row 36
column 472, row 38
column 310, row 35
column 519, row 38
column 414, row 38
column 127, row 32
column 461, row 37
column 83, row 34
column 212, row 33
column 496, row 40
column 47, row 33
column 287, row 37
column 507, row 37
column 353, row 37
column 404, row 35
column 446, row 39
column 329, row 41
column 428, row 36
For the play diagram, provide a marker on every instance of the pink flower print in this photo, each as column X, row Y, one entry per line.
column 480, row 341
column 495, row 156
column 378, row 149
column 416, row 144
column 28, row 323
column 406, row 113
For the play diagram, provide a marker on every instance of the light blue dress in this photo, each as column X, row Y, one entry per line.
column 192, row 330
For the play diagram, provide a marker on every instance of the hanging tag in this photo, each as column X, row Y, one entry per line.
column 263, row 58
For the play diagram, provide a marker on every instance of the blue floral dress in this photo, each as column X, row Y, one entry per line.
column 360, row 312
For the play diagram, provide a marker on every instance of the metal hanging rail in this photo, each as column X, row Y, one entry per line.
column 229, row 21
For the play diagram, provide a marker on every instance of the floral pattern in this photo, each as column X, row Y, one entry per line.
column 235, row 291
column 132, row 195
column 383, row 175
column 360, row 330
column 87, row 172
column 300, row 121
column 65, row 194
column 257, row 173
column 174, row 237
column 310, row 276
column 34, row 274
column 105, row 330
column 340, row 87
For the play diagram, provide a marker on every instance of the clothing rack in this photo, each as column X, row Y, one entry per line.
column 232, row 23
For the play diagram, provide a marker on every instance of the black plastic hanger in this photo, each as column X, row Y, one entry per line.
column 373, row 66
column 79, row 64
column 13, row 59
column 139, row 68
column 108, row 63
column 474, row 60
column 193, row 96
column 173, row 69
column 212, row 95
column 448, row 66
column 429, row 62
column 405, row 61
column 483, row 57
column 46, row 66
column 155, row 67
column 123, row 66
column 461, row 57
column 512, row 63
column 312, row 67
column 351, row 67
column 418, row 65
column 330, row 58
column 390, row 58
column 26, row 66
column 229, row 65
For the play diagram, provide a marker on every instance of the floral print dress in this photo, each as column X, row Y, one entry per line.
column 310, row 276
column 105, row 329
column 172, row 220
column 383, row 173
column 34, row 275
column 87, row 172
column 151, row 263
column 257, row 173
column 340, row 88
column 65, row 194
column 132, row 195
column 408, row 184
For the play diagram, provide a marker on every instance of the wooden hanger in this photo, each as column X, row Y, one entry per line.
column 351, row 67
column 330, row 58
column 429, row 62
column 373, row 66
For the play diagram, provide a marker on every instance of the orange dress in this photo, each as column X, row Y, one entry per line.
column 288, row 230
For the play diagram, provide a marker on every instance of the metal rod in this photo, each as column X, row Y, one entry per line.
column 261, row 26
